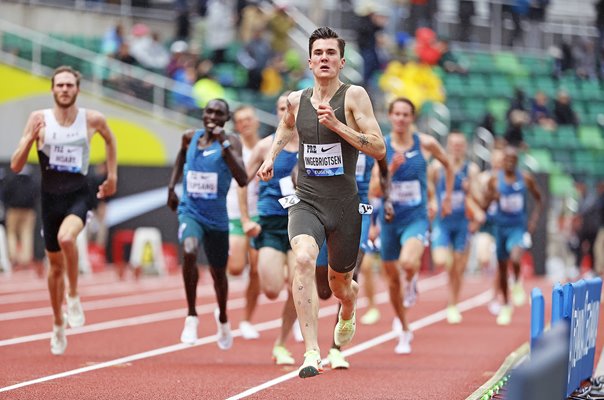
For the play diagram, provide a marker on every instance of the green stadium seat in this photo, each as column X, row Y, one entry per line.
column 561, row 184
column 592, row 90
column 508, row 62
column 499, row 108
column 544, row 160
column 591, row 137
column 481, row 62
column 566, row 138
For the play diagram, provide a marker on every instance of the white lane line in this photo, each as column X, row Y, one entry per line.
column 124, row 301
column 431, row 319
column 429, row 283
column 112, row 288
column 424, row 285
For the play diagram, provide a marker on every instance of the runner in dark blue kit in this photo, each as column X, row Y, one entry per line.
column 207, row 161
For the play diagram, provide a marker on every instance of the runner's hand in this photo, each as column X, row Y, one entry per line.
column 266, row 170
column 327, row 116
column 251, row 228
column 107, row 188
column 172, row 200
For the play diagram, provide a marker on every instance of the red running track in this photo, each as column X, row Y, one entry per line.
column 129, row 347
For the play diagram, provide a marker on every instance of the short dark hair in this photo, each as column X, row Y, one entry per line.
column 65, row 68
column 326, row 32
column 226, row 104
column 401, row 100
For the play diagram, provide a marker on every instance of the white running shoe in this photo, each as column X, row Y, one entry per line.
column 397, row 327
column 282, row 356
column 311, row 366
column 344, row 330
column 248, row 331
column 337, row 360
column 224, row 338
column 189, row 332
column 75, row 312
column 494, row 307
column 297, row 332
column 453, row 315
column 58, row 340
column 410, row 295
column 404, row 343
column 371, row 317
column 518, row 294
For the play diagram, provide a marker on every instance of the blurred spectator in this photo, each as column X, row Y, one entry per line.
column 465, row 13
column 517, row 10
column 183, row 24
column 518, row 103
column 585, row 56
column 427, row 47
column 206, row 87
column 448, row 60
column 123, row 55
column 488, row 123
column 370, row 23
column 254, row 56
column 586, row 223
column 178, row 57
column 182, row 96
column 514, row 135
column 599, row 243
column 600, row 44
column 540, row 112
column 563, row 59
column 536, row 15
column 563, row 111
column 272, row 77
column 253, row 20
column 279, row 24
column 112, row 40
column 146, row 48
column 421, row 14
column 220, row 28
column 20, row 194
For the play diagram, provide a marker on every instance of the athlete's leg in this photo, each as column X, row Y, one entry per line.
column 56, row 284
column 238, row 251
column 70, row 228
column 253, row 288
column 190, row 273
column 271, row 271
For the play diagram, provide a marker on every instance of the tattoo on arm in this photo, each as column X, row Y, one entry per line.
column 363, row 140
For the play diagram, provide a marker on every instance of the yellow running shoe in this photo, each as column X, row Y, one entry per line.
column 453, row 315
column 505, row 315
column 337, row 360
column 344, row 330
column 312, row 365
column 518, row 294
column 371, row 317
column 282, row 356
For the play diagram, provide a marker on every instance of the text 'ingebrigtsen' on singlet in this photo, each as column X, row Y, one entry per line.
column 323, row 159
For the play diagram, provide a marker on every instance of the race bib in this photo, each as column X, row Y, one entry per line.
column 361, row 165
column 286, row 185
column 323, row 159
column 513, row 203
column 202, row 185
column 289, row 201
column 457, row 199
column 365, row 208
column 65, row 158
column 406, row 193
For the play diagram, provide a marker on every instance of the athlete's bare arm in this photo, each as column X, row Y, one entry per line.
column 285, row 131
column 178, row 169
column 257, row 157
column 362, row 129
column 437, row 151
column 232, row 155
column 532, row 186
column 35, row 123
column 433, row 174
column 98, row 123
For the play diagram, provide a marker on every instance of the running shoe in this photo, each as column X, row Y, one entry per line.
column 311, row 366
column 453, row 315
column 224, row 338
column 505, row 315
column 58, row 340
column 248, row 331
column 297, row 332
column 189, row 332
column 371, row 317
column 404, row 343
column 518, row 294
column 75, row 312
column 410, row 295
column 397, row 327
column 337, row 359
column 494, row 307
column 282, row 356
column 344, row 330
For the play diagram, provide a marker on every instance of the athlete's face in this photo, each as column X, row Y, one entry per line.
column 65, row 89
column 246, row 122
column 456, row 145
column 325, row 60
column 215, row 114
column 401, row 117
column 510, row 160
column 497, row 159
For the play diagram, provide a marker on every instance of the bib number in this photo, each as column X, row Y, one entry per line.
column 513, row 203
column 288, row 201
column 65, row 158
column 406, row 193
column 203, row 185
column 323, row 159
column 365, row 208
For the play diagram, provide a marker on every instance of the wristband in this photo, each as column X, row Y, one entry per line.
column 226, row 144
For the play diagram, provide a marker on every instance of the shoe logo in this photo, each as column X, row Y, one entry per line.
column 323, row 149
column 411, row 154
column 208, row 152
